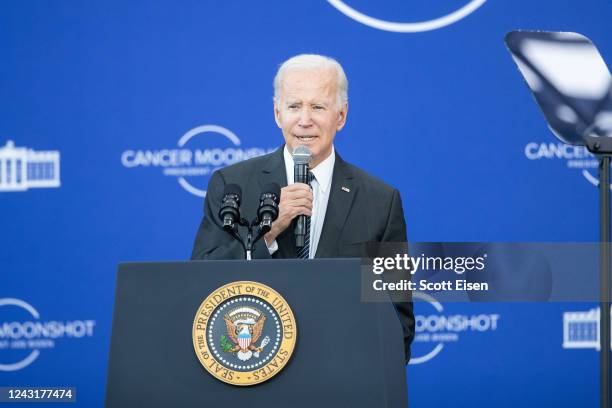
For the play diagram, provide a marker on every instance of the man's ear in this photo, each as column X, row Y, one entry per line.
column 342, row 116
column 277, row 114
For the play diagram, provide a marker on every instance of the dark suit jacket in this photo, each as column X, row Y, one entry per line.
column 370, row 211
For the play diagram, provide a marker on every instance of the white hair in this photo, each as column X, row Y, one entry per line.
column 312, row 62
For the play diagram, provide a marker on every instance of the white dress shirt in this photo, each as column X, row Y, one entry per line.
column 321, row 186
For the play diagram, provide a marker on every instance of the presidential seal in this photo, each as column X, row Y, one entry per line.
column 244, row 333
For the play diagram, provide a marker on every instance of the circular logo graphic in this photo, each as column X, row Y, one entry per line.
column 23, row 334
column 197, row 131
column 33, row 355
column 438, row 345
column 199, row 153
column 244, row 333
column 576, row 157
column 413, row 27
column 435, row 330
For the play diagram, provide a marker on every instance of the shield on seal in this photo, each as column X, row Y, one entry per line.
column 244, row 338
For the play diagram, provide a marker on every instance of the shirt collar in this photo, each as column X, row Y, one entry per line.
column 323, row 172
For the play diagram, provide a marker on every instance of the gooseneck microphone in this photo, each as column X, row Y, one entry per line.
column 301, row 158
column 230, row 206
column 268, row 206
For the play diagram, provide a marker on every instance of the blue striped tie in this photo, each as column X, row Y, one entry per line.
column 304, row 252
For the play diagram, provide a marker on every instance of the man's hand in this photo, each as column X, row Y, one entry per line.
column 295, row 200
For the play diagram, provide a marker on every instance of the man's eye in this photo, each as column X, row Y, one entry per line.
column 318, row 107
column 293, row 106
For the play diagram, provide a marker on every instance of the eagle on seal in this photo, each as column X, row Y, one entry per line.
column 244, row 336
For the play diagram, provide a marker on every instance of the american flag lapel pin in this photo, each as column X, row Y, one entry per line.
column 348, row 190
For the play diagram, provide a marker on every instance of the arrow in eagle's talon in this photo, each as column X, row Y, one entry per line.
column 263, row 344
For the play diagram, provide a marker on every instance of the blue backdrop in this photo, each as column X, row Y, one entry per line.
column 103, row 96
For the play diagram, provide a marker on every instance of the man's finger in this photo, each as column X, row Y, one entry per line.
column 301, row 202
column 291, row 195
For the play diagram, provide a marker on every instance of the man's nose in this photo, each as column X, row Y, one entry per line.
column 305, row 117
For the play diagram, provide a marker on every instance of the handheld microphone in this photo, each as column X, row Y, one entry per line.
column 230, row 206
column 301, row 158
column 268, row 206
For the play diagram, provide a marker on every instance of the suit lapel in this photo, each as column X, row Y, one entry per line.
column 341, row 198
column 274, row 170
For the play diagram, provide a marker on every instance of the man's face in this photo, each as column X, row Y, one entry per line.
column 308, row 112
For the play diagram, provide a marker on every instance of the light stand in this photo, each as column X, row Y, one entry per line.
column 573, row 87
column 603, row 148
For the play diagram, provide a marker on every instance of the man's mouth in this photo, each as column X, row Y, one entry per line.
column 305, row 138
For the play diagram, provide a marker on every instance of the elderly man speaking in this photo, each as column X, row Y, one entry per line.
column 346, row 205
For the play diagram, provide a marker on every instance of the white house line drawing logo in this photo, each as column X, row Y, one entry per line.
column 439, row 328
column 34, row 335
column 22, row 168
column 184, row 162
column 403, row 27
column 577, row 157
column 581, row 330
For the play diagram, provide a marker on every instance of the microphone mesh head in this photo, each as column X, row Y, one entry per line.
column 232, row 189
column 273, row 188
column 301, row 155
